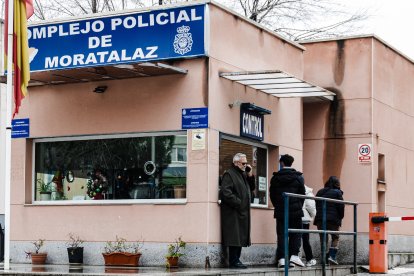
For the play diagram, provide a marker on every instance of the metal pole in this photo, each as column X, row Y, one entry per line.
column 7, row 165
column 286, row 233
column 323, row 257
column 355, row 239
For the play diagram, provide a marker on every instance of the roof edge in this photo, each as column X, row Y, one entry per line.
column 146, row 9
column 118, row 12
column 293, row 43
column 374, row 36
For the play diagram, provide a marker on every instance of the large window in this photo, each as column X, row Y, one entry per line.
column 256, row 156
column 106, row 168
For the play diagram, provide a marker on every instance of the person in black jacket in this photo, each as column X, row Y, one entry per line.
column 235, row 195
column 287, row 180
column 334, row 215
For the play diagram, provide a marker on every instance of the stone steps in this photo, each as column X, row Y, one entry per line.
column 399, row 258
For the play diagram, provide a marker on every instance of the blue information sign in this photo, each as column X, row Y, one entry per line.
column 194, row 118
column 128, row 38
column 20, row 128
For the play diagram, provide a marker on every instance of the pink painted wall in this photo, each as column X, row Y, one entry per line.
column 154, row 104
column 374, row 106
column 393, row 112
column 252, row 49
column 130, row 105
column 244, row 45
column 332, row 131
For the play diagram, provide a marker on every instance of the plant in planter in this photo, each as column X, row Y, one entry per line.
column 44, row 189
column 174, row 252
column 75, row 250
column 122, row 253
column 37, row 256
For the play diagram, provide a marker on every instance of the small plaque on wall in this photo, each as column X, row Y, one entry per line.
column 198, row 141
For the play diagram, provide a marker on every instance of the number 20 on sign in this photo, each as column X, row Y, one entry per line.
column 364, row 153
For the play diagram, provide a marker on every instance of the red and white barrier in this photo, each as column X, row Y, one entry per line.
column 398, row 218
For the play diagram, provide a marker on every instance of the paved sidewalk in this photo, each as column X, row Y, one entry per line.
column 407, row 269
column 60, row 270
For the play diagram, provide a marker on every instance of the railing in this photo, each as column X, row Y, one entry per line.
column 1, row 243
column 324, row 232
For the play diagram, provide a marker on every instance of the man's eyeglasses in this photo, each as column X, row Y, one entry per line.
column 244, row 163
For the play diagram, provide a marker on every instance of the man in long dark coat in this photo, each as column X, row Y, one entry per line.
column 235, row 194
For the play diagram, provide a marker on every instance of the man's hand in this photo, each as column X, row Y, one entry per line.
column 249, row 170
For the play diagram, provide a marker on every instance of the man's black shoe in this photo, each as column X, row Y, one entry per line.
column 238, row 265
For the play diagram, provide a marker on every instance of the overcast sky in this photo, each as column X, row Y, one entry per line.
column 391, row 20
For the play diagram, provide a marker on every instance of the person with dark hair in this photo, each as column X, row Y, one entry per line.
column 334, row 215
column 235, row 195
column 287, row 180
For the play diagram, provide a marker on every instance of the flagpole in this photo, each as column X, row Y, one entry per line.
column 8, row 116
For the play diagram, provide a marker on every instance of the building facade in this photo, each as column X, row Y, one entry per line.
column 373, row 86
column 132, row 143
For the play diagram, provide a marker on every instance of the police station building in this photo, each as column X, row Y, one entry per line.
column 132, row 117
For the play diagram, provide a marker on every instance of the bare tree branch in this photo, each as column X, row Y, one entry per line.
column 294, row 19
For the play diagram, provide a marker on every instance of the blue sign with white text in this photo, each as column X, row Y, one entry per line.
column 20, row 128
column 194, row 118
column 128, row 38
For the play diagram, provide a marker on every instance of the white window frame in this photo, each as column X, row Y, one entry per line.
column 104, row 202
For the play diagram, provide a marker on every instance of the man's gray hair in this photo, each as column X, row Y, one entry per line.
column 238, row 156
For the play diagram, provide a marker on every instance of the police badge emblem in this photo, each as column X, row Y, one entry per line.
column 183, row 41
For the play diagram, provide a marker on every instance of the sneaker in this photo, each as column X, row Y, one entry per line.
column 281, row 263
column 311, row 263
column 332, row 261
column 296, row 260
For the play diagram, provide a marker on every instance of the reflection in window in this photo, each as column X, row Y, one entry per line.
column 256, row 157
column 151, row 167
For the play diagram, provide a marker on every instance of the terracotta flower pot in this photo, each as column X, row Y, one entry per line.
column 38, row 258
column 172, row 261
column 121, row 259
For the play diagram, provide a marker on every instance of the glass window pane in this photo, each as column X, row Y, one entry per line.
column 182, row 154
column 110, row 169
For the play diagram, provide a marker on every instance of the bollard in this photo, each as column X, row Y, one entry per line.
column 378, row 248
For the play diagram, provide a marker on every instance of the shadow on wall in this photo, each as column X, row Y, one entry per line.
column 334, row 143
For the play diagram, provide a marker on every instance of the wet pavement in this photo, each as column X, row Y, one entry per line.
column 407, row 269
column 78, row 270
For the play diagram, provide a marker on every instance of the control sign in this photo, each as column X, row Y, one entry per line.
column 364, row 153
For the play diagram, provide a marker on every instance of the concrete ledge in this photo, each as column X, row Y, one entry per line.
column 400, row 258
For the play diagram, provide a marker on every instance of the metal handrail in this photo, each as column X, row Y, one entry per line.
column 323, row 231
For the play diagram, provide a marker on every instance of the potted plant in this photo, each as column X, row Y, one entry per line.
column 44, row 189
column 174, row 252
column 37, row 256
column 122, row 253
column 75, row 250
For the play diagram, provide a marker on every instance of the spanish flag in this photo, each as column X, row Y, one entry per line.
column 23, row 9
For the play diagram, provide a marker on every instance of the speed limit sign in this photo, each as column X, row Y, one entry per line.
column 364, row 153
